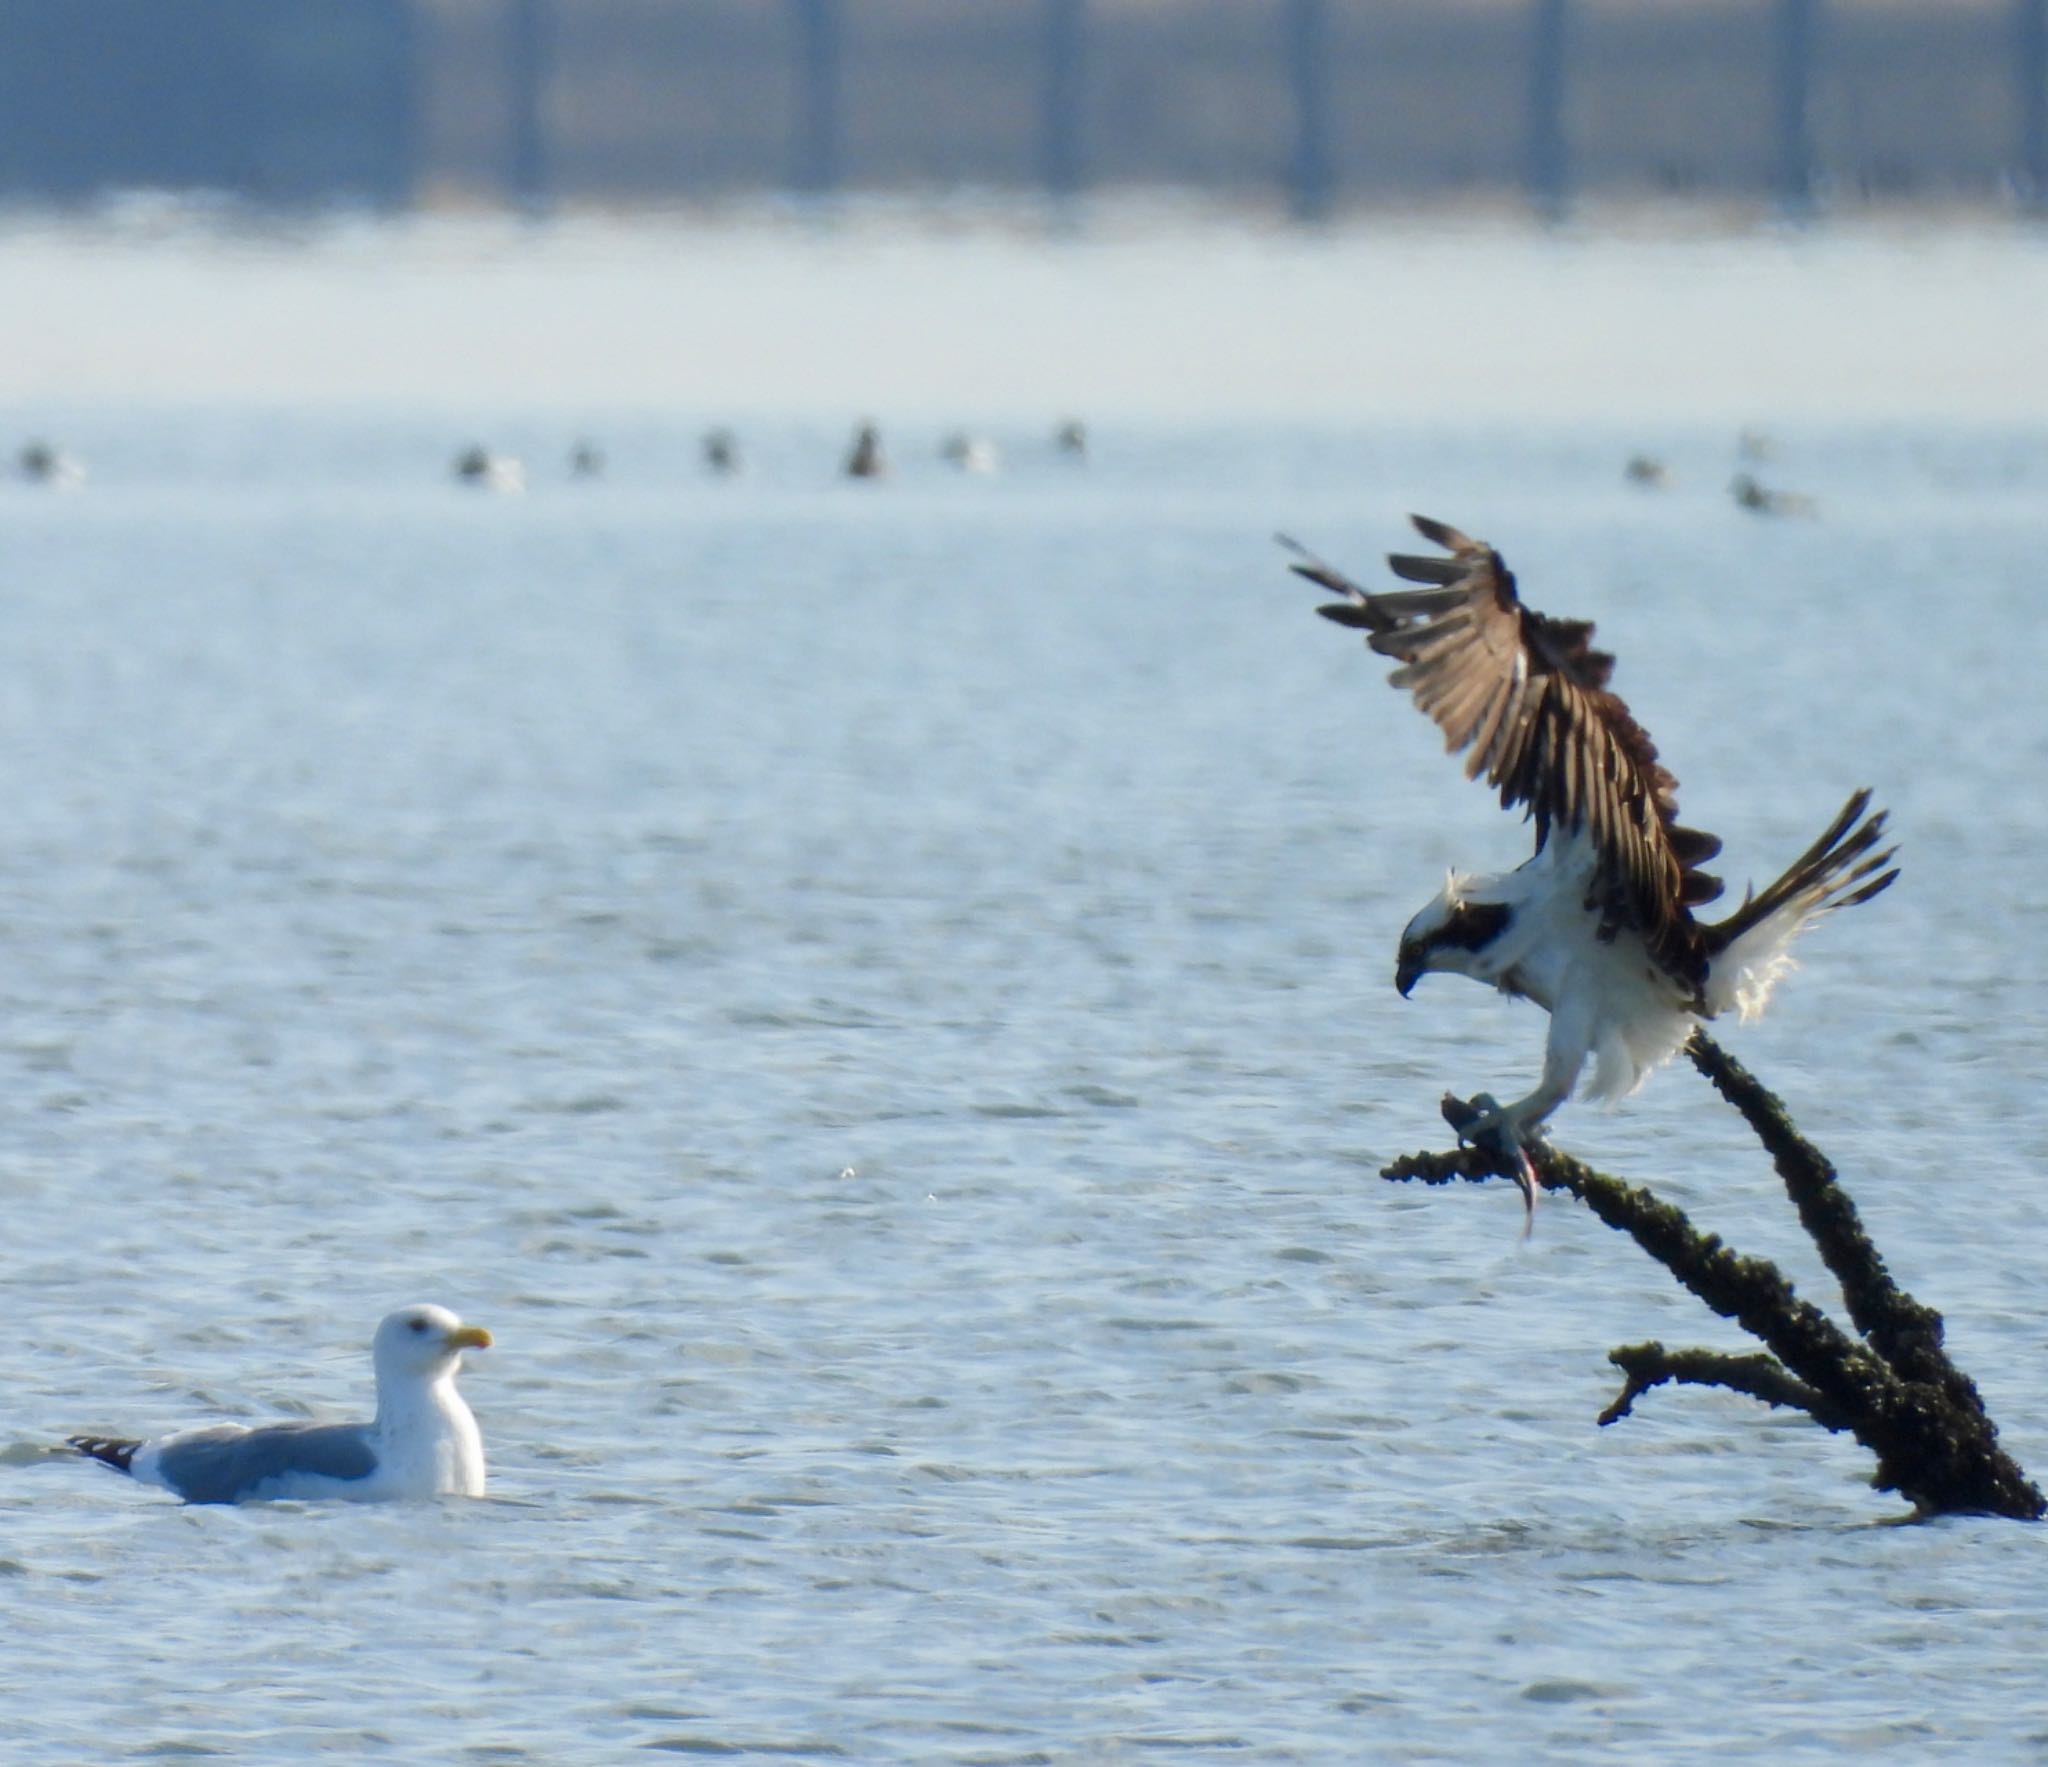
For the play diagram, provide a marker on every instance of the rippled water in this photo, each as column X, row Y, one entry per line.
column 880, row 998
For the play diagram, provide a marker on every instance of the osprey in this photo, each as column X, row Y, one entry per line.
column 1597, row 927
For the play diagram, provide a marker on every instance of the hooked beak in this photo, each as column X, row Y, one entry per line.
column 469, row 1337
column 1407, row 971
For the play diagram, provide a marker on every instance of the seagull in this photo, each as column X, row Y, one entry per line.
column 1597, row 928
column 43, row 463
column 1759, row 499
column 490, row 472
column 423, row 1441
column 721, row 451
column 970, row 453
column 867, row 461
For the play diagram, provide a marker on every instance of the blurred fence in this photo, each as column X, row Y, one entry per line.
column 283, row 100
column 1329, row 101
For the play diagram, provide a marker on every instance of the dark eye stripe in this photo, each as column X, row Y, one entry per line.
column 1473, row 925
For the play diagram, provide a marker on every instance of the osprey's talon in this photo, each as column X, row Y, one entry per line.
column 1491, row 1126
column 1495, row 1129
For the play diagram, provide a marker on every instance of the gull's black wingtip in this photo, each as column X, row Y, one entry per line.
column 115, row 1451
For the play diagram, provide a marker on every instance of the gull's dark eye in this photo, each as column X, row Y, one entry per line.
column 417, row 1324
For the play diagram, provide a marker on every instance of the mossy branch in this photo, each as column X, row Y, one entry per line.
column 1890, row 1384
column 1901, row 1330
column 1760, row 1377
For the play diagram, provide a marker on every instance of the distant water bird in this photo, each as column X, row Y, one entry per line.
column 1648, row 471
column 1759, row 500
column 866, row 460
column 721, row 451
column 586, row 460
column 1756, row 447
column 1072, row 438
column 478, row 466
column 970, row 453
column 43, row 463
column 423, row 1441
column 1597, row 927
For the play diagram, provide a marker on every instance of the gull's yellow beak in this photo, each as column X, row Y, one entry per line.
column 469, row 1337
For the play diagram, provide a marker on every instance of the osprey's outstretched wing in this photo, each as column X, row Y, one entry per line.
column 1528, row 696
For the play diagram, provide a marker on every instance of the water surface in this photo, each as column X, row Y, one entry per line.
column 880, row 997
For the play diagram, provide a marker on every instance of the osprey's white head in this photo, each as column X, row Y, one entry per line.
column 1456, row 932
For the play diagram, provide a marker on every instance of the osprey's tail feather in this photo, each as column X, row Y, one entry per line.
column 1752, row 948
column 111, row 1451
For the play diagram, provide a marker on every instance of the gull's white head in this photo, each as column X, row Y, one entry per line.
column 1453, row 931
column 423, row 1342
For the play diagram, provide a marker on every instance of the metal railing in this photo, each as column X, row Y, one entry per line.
column 1325, row 101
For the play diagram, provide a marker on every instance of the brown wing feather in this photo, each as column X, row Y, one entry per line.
column 1528, row 695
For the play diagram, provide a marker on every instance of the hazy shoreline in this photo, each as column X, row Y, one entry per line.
column 1158, row 311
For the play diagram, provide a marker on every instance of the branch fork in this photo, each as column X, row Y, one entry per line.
column 1887, row 1381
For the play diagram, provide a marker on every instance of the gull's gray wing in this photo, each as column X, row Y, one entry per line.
column 227, row 1462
